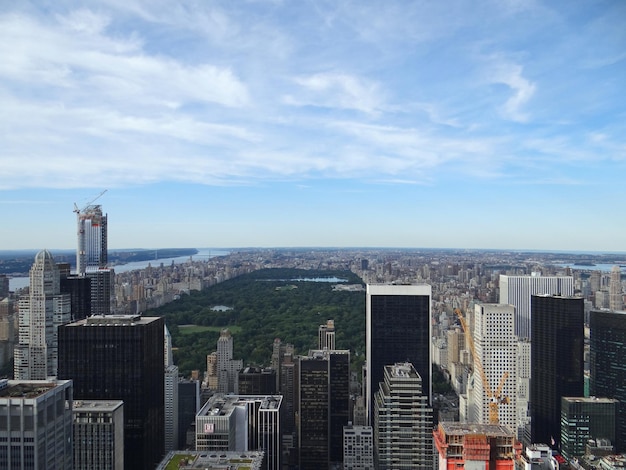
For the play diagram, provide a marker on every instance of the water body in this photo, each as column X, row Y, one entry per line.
column 595, row 267
column 202, row 255
column 308, row 279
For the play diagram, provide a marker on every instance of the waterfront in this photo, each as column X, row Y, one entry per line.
column 202, row 255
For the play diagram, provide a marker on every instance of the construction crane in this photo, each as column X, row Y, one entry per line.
column 495, row 397
column 80, row 218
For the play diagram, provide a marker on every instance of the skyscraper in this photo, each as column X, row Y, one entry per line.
column 615, row 289
column 326, row 335
column 496, row 349
column 607, row 363
column 227, row 367
column 517, row 290
column 98, row 434
column 36, row 424
column 557, row 362
column 92, row 256
column 402, row 421
column 41, row 312
column 398, row 329
column 323, row 406
column 120, row 357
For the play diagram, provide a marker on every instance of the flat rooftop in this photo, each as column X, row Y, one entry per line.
column 494, row 430
column 27, row 388
column 223, row 405
column 103, row 406
column 113, row 320
column 209, row 460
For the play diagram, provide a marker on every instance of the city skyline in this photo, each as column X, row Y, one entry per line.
column 483, row 125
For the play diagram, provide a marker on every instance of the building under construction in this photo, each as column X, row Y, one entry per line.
column 475, row 446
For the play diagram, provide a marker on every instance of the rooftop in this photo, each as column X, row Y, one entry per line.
column 207, row 460
column 27, row 388
column 493, row 430
column 114, row 320
column 223, row 405
column 97, row 405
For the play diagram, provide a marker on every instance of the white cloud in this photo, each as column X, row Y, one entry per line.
column 523, row 89
column 338, row 90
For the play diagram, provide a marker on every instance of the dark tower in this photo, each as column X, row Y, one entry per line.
column 398, row 329
column 121, row 357
column 557, row 361
column 608, row 363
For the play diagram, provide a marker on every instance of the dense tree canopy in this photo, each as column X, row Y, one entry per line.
column 264, row 305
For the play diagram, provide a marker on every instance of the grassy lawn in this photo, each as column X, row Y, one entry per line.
column 191, row 329
column 174, row 463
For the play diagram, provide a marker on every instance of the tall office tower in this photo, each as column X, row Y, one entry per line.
column 36, row 424
column 517, row 290
column 188, row 406
column 4, row 286
column 170, row 393
column 523, row 387
column 595, row 281
column 323, row 405
column 241, row 423
column 402, row 421
column 398, row 329
column 476, row 446
column 79, row 290
column 557, row 361
column 607, row 363
column 211, row 371
column 227, row 367
column 92, row 257
column 326, row 336
column 120, row 357
column 583, row 419
column 496, row 349
column 615, row 289
column 40, row 315
column 257, row 381
column 98, row 431
column 8, row 335
column 358, row 448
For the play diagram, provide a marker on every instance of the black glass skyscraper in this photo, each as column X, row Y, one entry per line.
column 121, row 357
column 608, row 363
column 557, row 361
column 398, row 329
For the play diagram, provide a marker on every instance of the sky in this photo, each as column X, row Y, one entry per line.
column 260, row 123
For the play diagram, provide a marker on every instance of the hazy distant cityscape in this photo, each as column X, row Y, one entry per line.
column 481, row 321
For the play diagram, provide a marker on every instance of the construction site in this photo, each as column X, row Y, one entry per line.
column 475, row 446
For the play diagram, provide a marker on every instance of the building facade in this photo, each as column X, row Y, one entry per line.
column 323, row 404
column 557, row 359
column 120, row 357
column 241, row 423
column 398, row 329
column 583, row 419
column 517, row 290
column 496, row 349
column 616, row 298
column 41, row 312
column 358, row 448
column 402, row 421
column 98, row 430
column 607, row 363
column 227, row 367
column 475, row 446
column 36, row 424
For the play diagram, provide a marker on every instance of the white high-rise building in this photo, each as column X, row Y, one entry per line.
column 615, row 289
column 402, row 421
column 517, row 290
column 496, row 349
column 227, row 367
column 41, row 312
column 326, row 336
column 170, row 394
column 92, row 256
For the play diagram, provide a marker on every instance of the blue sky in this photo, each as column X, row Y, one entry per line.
column 471, row 124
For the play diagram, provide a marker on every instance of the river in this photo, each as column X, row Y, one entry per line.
column 202, row 255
